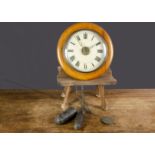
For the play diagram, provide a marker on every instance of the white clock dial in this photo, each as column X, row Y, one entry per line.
column 85, row 51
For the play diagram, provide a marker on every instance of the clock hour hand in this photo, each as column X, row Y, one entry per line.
column 80, row 44
column 79, row 41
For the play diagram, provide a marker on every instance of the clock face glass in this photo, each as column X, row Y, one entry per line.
column 85, row 51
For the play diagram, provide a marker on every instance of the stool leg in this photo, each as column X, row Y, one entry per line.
column 98, row 92
column 65, row 104
column 63, row 93
column 102, row 96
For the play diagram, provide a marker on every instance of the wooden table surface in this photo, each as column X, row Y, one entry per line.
column 34, row 111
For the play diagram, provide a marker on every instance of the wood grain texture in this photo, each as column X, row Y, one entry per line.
column 34, row 111
column 65, row 65
column 65, row 80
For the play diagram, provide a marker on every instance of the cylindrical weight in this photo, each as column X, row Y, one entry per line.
column 66, row 116
column 79, row 120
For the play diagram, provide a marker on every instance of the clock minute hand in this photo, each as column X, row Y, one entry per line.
column 92, row 46
column 95, row 45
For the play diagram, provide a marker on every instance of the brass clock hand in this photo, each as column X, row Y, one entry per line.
column 80, row 44
column 79, row 41
column 92, row 46
column 95, row 45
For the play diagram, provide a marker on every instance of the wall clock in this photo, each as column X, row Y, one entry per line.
column 85, row 51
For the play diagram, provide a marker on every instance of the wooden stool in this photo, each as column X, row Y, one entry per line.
column 67, row 82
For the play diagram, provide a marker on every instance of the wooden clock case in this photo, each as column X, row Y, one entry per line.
column 69, row 70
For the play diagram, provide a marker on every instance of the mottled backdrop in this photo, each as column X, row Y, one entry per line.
column 28, row 54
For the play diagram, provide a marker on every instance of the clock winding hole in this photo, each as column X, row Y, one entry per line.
column 85, row 50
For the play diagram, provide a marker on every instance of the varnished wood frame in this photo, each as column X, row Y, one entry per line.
column 68, row 69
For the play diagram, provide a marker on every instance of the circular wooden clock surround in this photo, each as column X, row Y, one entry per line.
column 69, row 69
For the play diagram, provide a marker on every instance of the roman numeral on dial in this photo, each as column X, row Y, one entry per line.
column 85, row 35
column 69, row 50
column 72, row 43
column 72, row 58
column 98, row 43
column 92, row 38
column 98, row 59
column 78, row 38
column 93, row 65
column 85, row 66
column 100, row 51
column 77, row 64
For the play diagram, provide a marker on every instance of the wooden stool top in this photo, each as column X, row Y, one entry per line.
column 64, row 80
